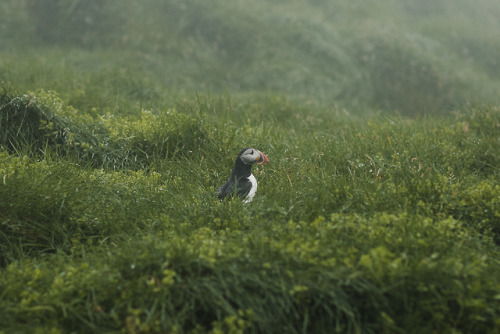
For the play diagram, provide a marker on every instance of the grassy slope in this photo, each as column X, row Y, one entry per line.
column 367, row 55
column 361, row 224
column 407, row 240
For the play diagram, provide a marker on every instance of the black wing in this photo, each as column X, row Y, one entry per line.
column 228, row 189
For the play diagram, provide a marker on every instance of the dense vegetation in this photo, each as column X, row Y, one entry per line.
column 379, row 211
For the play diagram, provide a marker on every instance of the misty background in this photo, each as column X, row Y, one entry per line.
column 412, row 56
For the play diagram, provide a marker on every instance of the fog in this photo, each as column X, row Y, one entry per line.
column 409, row 56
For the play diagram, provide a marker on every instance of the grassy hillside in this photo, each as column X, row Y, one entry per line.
column 109, row 223
column 411, row 57
column 378, row 213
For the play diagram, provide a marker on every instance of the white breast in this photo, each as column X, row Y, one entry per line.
column 253, row 190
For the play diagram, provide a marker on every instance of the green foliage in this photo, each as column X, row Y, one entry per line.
column 390, row 55
column 364, row 221
column 384, row 224
column 290, row 275
column 75, row 22
column 25, row 123
column 166, row 134
column 397, row 66
column 40, row 120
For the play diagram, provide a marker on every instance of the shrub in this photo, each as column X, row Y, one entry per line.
column 345, row 274
column 39, row 121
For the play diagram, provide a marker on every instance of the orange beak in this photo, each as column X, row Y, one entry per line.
column 262, row 159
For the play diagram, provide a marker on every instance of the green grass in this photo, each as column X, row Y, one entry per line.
column 378, row 211
column 417, row 59
column 387, row 224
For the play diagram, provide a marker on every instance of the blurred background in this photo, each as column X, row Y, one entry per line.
column 411, row 56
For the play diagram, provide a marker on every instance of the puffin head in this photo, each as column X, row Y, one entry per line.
column 250, row 156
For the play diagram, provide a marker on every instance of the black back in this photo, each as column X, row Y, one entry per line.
column 238, row 183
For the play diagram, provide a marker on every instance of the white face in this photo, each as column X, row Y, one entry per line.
column 250, row 156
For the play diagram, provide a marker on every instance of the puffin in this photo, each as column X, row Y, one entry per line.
column 242, row 183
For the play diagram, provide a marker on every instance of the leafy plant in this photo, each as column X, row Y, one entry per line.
column 115, row 140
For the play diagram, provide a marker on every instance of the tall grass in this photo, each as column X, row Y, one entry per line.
column 359, row 225
column 116, row 133
column 411, row 58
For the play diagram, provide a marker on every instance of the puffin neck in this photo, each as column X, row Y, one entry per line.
column 241, row 170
